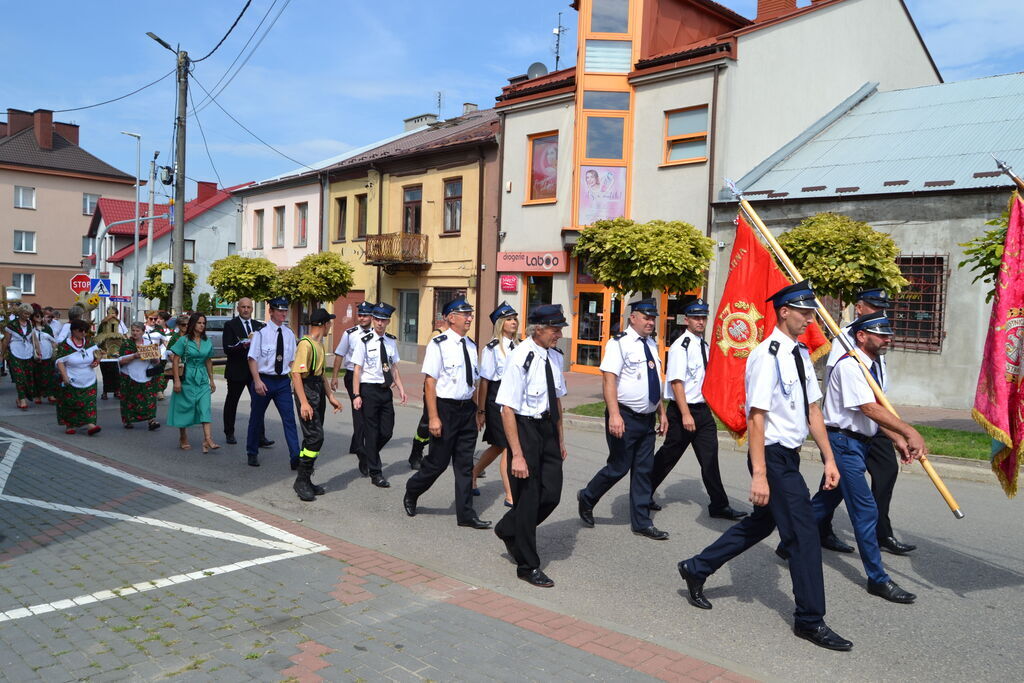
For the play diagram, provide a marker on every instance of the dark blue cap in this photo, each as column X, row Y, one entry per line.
column 799, row 295
column 696, row 309
column 502, row 311
column 320, row 317
column 279, row 304
column 457, row 306
column 876, row 297
column 549, row 315
column 876, row 323
column 645, row 306
column 382, row 311
column 364, row 308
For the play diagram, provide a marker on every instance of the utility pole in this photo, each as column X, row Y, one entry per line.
column 149, row 226
column 178, row 293
column 135, row 252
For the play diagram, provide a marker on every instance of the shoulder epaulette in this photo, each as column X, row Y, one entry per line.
column 367, row 337
column 470, row 340
column 801, row 345
column 773, row 348
column 439, row 338
column 491, row 344
column 529, row 359
column 351, row 329
column 390, row 336
column 618, row 336
column 686, row 343
column 555, row 348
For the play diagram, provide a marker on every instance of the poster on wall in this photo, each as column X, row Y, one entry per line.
column 602, row 193
column 544, row 171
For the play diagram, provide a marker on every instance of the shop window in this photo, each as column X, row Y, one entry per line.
column 604, row 137
column 538, row 291
column 412, row 210
column 686, row 136
column 917, row 312
column 543, row 165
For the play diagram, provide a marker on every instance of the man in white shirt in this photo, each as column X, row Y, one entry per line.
column 343, row 354
column 271, row 353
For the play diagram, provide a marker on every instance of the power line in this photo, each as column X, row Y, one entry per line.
column 230, row 29
column 205, row 145
column 100, row 104
column 242, row 126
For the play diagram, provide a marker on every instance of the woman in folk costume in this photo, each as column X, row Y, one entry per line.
column 20, row 341
column 77, row 359
column 47, row 383
column 138, row 387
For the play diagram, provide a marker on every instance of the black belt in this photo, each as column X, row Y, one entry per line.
column 267, row 374
column 455, row 401
column 546, row 415
column 850, row 433
column 627, row 409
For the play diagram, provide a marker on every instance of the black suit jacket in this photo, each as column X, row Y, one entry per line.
column 237, row 367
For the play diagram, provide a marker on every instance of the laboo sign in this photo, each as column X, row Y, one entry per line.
column 533, row 261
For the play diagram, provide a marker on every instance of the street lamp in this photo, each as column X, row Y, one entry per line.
column 135, row 255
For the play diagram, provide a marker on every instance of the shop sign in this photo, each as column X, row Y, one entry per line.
column 510, row 283
column 533, row 261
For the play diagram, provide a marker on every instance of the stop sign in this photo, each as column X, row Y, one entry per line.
column 80, row 283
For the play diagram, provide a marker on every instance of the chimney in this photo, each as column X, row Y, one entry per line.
column 769, row 9
column 42, row 121
column 469, row 108
column 17, row 121
column 3, row 130
column 205, row 190
column 68, row 131
column 414, row 122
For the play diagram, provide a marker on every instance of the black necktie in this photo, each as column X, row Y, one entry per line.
column 279, row 360
column 385, row 364
column 803, row 379
column 511, row 345
column 653, row 385
column 549, row 375
column 704, row 353
column 876, row 372
column 248, row 330
column 468, row 363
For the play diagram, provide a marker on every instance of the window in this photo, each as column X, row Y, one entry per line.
column 538, row 291
column 257, row 229
column 26, row 282
column 89, row 203
column 362, row 205
column 24, row 197
column 86, row 246
column 543, row 165
column 608, row 101
column 301, row 223
column 412, row 209
column 443, row 295
column 24, row 241
column 190, row 251
column 686, row 135
column 278, row 226
column 341, row 204
column 453, row 206
column 609, row 16
column 604, row 137
column 232, row 248
column 917, row 312
column 609, row 56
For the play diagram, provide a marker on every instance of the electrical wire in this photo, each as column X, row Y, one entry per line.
column 116, row 99
column 230, row 29
column 205, row 145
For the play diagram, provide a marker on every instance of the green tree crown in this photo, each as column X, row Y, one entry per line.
column 985, row 253
column 153, row 288
column 236, row 277
column 318, row 277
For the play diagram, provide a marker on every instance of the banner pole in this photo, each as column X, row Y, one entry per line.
column 837, row 333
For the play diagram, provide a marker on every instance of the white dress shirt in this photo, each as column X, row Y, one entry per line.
column 492, row 360
column 837, row 351
column 525, row 389
column 264, row 349
column 346, row 346
column 20, row 345
column 686, row 363
column 624, row 356
column 772, row 384
column 81, row 374
column 445, row 361
column 366, row 354
column 845, row 392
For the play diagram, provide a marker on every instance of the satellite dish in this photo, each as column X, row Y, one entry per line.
column 536, row 70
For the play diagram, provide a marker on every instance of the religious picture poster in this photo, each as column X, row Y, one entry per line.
column 544, row 167
column 602, row 193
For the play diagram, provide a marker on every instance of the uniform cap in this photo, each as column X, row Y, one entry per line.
column 502, row 311
column 876, row 323
column 876, row 297
column 382, row 311
column 279, row 304
column 364, row 308
column 799, row 295
column 697, row 308
column 549, row 315
column 645, row 306
column 457, row 306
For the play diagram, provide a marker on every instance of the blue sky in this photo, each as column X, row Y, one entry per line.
column 336, row 74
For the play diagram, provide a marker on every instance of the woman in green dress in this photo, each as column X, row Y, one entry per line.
column 190, row 401
column 138, row 388
column 77, row 359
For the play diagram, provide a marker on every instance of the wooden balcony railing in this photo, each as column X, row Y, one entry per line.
column 396, row 249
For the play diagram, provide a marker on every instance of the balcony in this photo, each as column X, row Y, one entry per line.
column 397, row 251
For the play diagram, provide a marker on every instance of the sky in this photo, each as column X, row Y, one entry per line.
column 333, row 75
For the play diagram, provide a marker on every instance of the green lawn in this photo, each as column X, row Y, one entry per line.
column 951, row 442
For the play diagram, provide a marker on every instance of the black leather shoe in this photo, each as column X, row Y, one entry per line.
column 782, row 553
column 230, row 439
column 414, row 463
column 654, row 507
column 832, row 542
column 890, row 544
column 586, row 511
column 254, row 460
column 694, row 586
column 823, row 636
column 379, row 481
column 653, row 533
column 891, row 592
column 364, row 469
column 536, row 577
column 266, row 443
column 409, row 503
column 728, row 513
column 475, row 523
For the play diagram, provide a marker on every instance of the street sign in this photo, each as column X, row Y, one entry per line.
column 120, row 299
column 100, row 286
column 80, row 283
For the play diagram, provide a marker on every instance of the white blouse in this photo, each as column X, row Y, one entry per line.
column 46, row 343
column 21, row 341
column 79, row 365
column 136, row 369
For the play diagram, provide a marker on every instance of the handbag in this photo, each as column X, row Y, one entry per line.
column 157, row 369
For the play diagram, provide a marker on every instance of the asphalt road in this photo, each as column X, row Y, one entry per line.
column 967, row 573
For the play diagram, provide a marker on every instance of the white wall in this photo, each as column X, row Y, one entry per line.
column 289, row 254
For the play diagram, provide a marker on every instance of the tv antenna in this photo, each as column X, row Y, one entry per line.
column 440, row 103
column 558, row 31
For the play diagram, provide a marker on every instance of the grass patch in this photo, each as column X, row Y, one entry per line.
column 589, row 409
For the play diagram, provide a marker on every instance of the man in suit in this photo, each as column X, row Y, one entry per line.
column 237, row 335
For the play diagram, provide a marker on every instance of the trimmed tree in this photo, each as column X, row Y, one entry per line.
column 985, row 253
column 236, row 277
column 153, row 288
column 318, row 277
column 627, row 256
column 842, row 256
column 204, row 304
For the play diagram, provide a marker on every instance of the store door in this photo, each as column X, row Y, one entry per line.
column 408, row 324
column 598, row 317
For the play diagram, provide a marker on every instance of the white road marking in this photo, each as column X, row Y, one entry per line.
column 7, row 464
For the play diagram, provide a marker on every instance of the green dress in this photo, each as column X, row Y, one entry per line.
column 192, row 405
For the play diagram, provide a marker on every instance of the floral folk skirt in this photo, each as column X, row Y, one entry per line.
column 76, row 407
column 23, row 376
column 47, row 379
column 138, row 399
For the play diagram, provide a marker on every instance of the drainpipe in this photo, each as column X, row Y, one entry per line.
column 479, row 238
column 711, row 162
column 380, row 217
column 501, row 194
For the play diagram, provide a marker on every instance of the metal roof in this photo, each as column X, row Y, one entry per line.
column 929, row 139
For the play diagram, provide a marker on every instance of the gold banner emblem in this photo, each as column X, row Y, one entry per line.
column 737, row 329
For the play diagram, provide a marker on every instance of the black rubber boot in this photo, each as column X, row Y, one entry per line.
column 416, row 455
column 303, row 486
column 318, row 490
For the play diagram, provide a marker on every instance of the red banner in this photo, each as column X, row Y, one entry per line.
column 999, row 401
column 740, row 323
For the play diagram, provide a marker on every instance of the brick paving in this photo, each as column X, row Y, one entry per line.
column 108, row 573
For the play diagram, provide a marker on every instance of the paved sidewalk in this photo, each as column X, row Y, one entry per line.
column 109, row 573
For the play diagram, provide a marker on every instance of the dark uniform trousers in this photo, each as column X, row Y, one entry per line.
column 633, row 454
column 536, row 496
column 357, row 415
column 378, row 423
column 883, row 466
column 235, row 390
column 456, row 445
column 704, row 440
column 313, row 430
column 789, row 508
column 279, row 391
